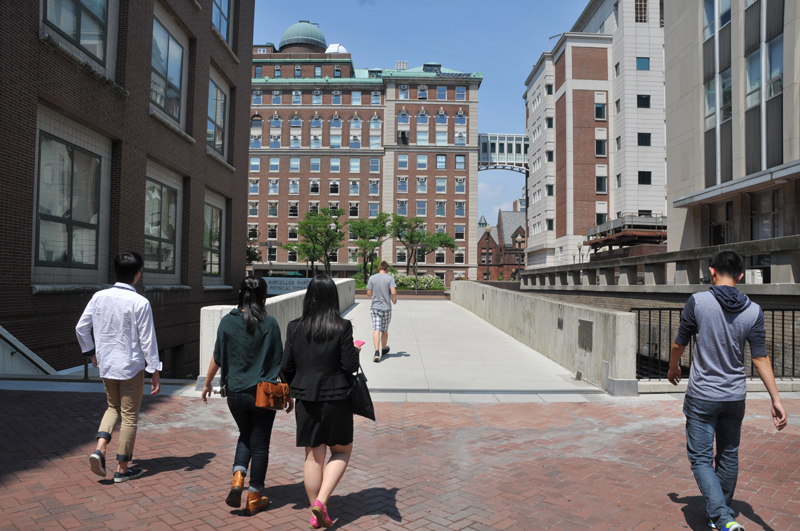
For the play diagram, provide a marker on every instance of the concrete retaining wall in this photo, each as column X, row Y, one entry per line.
column 283, row 308
column 16, row 358
column 553, row 328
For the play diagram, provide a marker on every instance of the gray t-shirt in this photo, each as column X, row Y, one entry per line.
column 381, row 285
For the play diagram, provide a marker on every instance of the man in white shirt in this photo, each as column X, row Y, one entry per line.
column 124, row 347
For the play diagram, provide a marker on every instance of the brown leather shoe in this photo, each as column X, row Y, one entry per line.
column 256, row 503
column 234, row 498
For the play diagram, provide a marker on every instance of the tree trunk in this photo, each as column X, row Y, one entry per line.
column 409, row 258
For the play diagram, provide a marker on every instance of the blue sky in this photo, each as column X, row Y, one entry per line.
column 501, row 38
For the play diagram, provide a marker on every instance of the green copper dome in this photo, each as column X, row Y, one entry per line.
column 303, row 33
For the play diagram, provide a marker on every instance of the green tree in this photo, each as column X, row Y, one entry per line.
column 410, row 233
column 370, row 234
column 253, row 252
column 321, row 234
column 435, row 240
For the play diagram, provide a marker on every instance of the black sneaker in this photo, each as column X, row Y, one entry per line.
column 377, row 357
column 132, row 473
column 98, row 463
column 385, row 351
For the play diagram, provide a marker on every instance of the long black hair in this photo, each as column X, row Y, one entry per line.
column 321, row 316
column 252, row 294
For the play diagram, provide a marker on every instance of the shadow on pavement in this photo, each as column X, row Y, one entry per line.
column 694, row 511
column 400, row 354
column 170, row 463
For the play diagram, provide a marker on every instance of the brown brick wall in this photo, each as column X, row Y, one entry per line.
column 34, row 73
column 584, row 160
column 560, row 68
column 589, row 63
column 561, row 167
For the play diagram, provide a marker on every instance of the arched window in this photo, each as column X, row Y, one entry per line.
column 355, row 122
column 460, row 118
column 336, row 121
column 441, row 118
column 375, row 122
column 256, row 122
column 275, row 121
column 296, row 121
column 422, row 117
column 316, row 121
column 403, row 118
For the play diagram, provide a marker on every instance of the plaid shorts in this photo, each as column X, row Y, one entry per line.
column 381, row 320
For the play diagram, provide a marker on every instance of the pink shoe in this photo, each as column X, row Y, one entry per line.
column 323, row 520
column 313, row 523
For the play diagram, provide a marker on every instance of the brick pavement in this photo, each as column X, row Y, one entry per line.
column 561, row 466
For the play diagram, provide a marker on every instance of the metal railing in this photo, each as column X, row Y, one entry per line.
column 657, row 327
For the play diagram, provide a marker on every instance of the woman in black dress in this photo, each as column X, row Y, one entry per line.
column 319, row 360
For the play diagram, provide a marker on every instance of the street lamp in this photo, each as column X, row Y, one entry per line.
column 580, row 255
column 488, row 232
column 519, row 241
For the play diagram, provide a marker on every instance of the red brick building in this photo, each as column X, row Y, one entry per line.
column 502, row 251
column 129, row 133
column 326, row 134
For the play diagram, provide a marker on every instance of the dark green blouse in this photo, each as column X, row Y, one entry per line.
column 248, row 360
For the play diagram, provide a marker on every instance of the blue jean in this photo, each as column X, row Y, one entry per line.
column 255, row 432
column 716, row 474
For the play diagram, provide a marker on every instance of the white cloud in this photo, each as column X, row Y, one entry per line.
column 504, row 206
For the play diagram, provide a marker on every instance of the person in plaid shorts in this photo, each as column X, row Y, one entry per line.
column 382, row 289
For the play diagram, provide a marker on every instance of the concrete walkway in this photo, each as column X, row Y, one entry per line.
column 442, row 352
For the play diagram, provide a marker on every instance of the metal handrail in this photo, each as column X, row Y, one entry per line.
column 19, row 348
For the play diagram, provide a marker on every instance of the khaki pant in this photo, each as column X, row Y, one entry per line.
column 124, row 399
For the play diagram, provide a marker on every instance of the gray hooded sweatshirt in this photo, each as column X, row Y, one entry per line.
column 721, row 320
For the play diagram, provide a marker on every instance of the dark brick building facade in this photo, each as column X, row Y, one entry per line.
column 112, row 148
column 502, row 251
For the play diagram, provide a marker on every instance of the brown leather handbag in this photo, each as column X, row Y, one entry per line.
column 272, row 396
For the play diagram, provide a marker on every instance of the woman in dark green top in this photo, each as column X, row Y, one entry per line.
column 249, row 350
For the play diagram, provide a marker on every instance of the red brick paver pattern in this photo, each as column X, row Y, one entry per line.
column 560, row 466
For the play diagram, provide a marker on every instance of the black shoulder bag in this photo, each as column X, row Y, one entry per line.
column 359, row 396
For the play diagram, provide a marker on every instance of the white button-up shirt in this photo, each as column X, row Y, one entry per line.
column 124, row 335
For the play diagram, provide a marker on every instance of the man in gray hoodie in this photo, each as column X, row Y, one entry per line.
column 721, row 321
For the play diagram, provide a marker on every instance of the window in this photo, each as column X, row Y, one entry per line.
column 601, row 184
column 422, row 138
column 298, row 71
column 375, row 99
column 753, row 79
column 355, row 141
column 600, row 148
column 550, row 190
column 402, row 185
column 441, row 119
column 461, row 162
column 292, row 232
column 461, row 209
column 353, row 210
column 402, row 207
column 644, row 213
column 461, row 139
column 403, row 118
column 336, row 97
column 645, row 177
column 296, row 121
column 599, row 111
column 548, row 122
column 374, row 187
column 354, row 186
column 441, row 93
column 619, row 181
column 82, row 22
column 774, row 81
column 219, row 17
column 276, row 97
column 440, row 256
column 422, row 92
column 374, row 142
column 599, row 219
column 316, row 97
column 461, row 93
column 374, row 208
column 441, row 208
column 275, row 121
column 272, row 209
column 403, row 92
column 400, row 255
column 441, row 162
column 548, row 88
column 277, row 71
column 640, row 8
column 441, row 229
column 315, row 164
column 616, row 70
column 711, row 104
column 642, row 63
column 618, row 143
column 375, row 123
column 441, row 185
column 355, row 165
column 297, row 97
column 441, row 138
column 352, row 255
column 460, row 232
column 333, row 187
column 549, row 156
column 259, row 74
column 212, row 248
column 272, row 254
column 422, row 118
column 313, row 186
column 422, row 208
column 291, row 255
column 294, row 141
column 215, row 135
column 334, row 165
column 255, row 163
column 724, row 12
column 272, row 232
column 254, row 185
column 317, row 71
column 252, row 209
column 336, row 141
column 458, row 257
column 422, row 185
column 402, row 162
column 252, row 234
column 549, row 224
column 355, row 97
column 160, row 231
column 645, row 139
column 460, row 118
column 422, row 162
column 294, row 209
column 337, row 71
column 726, row 109
column 294, row 164
column 166, row 68
column 294, row 186
column 642, row 101
column 374, row 165
column 274, row 164
column 256, row 97
column 273, row 186
column 313, row 206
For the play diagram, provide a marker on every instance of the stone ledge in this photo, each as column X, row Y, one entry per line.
column 754, row 385
column 224, row 43
column 171, row 126
column 89, row 69
column 43, row 289
column 214, row 155
column 165, row 287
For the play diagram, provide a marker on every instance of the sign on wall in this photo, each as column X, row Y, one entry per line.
column 279, row 286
